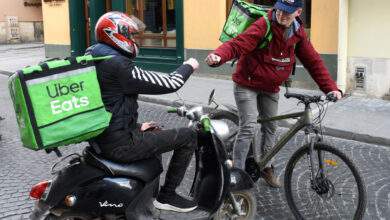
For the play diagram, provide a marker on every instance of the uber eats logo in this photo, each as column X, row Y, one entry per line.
column 57, row 90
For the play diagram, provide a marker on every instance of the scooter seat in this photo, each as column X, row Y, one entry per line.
column 145, row 170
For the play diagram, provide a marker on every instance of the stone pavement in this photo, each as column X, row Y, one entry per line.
column 354, row 118
column 15, row 56
column 21, row 168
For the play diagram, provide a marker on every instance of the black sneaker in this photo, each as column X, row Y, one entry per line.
column 174, row 202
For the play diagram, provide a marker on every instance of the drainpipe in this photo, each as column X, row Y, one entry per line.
column 342, row 58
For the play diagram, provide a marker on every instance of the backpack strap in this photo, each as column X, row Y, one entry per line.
column 87, row 58
column 266, row 39
column 295, row 63
column 268, row 35
column 95, row 146
column 294, row 67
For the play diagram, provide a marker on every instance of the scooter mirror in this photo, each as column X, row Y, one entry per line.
column 177, row 103
column 211, row 97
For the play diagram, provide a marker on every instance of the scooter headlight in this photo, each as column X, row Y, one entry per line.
column 221, row 129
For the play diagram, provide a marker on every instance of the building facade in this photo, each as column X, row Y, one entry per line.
column 21, row 21
column 349, row 35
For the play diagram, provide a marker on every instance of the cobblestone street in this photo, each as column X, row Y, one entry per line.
column 21, row 168
column 278, row 110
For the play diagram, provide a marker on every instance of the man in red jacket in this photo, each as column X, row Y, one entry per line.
column 260, row 72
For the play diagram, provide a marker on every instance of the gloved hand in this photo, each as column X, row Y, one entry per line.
column 336, row 94
column 212, row 59
column 193, row 62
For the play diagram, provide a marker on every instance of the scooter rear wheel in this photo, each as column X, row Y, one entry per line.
column 247, row 202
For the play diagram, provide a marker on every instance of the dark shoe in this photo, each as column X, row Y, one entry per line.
column 252, row 169
column 269, row 177
column 174, row 202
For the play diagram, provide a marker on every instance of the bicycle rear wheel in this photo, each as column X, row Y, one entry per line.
column 335, row 192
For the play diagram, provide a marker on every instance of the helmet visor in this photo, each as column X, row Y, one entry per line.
column 139, row 24
column 130, row 27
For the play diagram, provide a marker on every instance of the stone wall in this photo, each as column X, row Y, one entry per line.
column 28, row 32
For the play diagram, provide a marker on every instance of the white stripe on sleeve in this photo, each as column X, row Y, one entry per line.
column 177, row 79
column 150, row 77
column 156, row 77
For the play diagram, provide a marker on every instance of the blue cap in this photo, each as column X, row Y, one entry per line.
column 289, row 6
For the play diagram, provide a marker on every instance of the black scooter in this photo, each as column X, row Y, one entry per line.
column 91, row 187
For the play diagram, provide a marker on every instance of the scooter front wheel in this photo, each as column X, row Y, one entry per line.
column 247, row 204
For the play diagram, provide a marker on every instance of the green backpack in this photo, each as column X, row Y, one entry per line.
column 58, row 102
column 242, row 14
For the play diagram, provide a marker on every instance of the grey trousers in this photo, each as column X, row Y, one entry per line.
column 252, row 104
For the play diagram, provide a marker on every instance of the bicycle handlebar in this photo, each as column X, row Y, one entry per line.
column 307, row 99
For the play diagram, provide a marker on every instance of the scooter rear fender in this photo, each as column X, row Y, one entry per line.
column 69, row 178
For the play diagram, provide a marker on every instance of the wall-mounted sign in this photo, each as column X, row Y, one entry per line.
column 54, row 2
column 32, row 3
column 27, row 4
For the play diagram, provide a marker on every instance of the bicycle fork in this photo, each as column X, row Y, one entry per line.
column 311, row 140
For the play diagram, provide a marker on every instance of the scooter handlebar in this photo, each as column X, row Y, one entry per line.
column 206, row 123
column 172, row 110
column 181, row 111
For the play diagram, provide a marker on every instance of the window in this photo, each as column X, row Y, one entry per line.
column 160, row 21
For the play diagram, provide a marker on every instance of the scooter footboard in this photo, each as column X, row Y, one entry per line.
column 142, row 206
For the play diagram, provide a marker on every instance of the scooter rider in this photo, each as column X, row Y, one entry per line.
column 121, row 81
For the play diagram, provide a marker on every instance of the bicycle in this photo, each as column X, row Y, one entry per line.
column 321, row 159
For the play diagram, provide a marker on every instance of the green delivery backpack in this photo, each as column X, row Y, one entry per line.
column 58, row 102
column 242, row 14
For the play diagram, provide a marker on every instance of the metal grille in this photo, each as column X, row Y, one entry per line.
column 360, row 75
column 13, row 27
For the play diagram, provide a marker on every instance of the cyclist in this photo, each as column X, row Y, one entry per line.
column 260, row 72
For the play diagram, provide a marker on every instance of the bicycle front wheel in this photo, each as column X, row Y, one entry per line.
column 333, row 190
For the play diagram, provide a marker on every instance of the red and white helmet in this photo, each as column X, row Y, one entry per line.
column 117, row 29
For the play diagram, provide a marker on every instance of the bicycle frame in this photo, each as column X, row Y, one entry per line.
column 305, row 119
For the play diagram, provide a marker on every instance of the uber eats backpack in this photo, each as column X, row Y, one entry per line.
column 58, row 102
column 242, row 14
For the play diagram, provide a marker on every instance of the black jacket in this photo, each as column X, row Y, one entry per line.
column 120, row 82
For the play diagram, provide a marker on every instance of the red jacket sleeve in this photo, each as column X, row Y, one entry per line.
column 244, row 43
column 312, row 61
